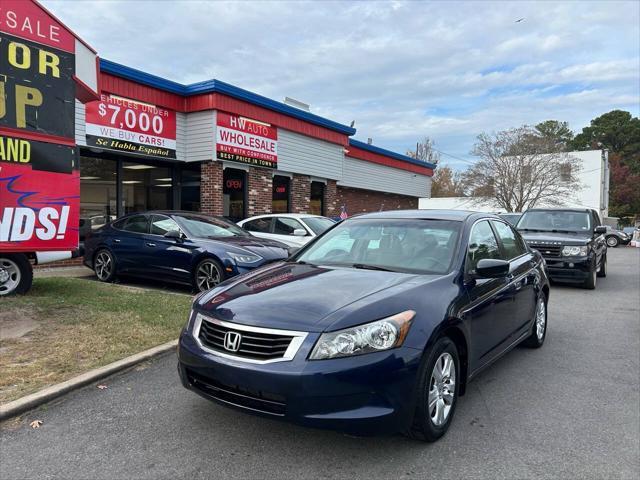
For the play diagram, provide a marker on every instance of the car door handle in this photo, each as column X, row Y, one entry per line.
column 116, row 240
column 151, row 244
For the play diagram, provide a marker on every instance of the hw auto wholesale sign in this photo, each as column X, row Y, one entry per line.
column 243, row 140
column 39, row 185
column 126, row 125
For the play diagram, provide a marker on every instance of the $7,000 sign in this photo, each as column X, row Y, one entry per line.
column 116, row 123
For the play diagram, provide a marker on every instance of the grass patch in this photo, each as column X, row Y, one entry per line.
column 80, row 325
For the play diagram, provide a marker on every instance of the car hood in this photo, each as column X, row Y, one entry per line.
column 577, row 238
column 267, row 249
column 295, row 296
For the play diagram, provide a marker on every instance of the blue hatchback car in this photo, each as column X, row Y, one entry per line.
column 180, row 247
column 376, row 326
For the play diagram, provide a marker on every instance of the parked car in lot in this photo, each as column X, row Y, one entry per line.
column 180, row 247
column 377, row 326
column 572, row 242
column 293, row 229
column 512, row 218
column 615, row 237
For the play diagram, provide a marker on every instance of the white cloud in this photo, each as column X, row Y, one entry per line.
column 402, row 70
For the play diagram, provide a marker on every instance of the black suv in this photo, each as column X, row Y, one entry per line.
column 571, row 241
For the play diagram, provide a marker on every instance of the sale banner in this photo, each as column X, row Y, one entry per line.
column 125, row 125
column 243, row 140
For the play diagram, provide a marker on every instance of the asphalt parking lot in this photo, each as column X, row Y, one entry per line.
column 568, row 410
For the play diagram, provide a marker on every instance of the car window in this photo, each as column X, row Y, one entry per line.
column 261, row 225
column 319, row 224
column 402, row 245
column 197, row 226
column 482, row 244
column 161, row 224
column 511, row 242
column 136, row 224
column 286, row 226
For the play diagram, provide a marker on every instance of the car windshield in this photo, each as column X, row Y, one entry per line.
column 399, row 245
column 318, row 224
column 209, row 227
column 550, row 220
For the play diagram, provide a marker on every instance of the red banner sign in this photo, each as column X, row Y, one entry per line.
column 243, row 140
column 39, row 210
column 121, row 124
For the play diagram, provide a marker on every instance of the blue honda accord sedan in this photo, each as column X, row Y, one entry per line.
column 179, row 247
column 376, row 326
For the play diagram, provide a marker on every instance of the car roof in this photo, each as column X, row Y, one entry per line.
column 425, row 214
column 560, row 209
column 174, row 212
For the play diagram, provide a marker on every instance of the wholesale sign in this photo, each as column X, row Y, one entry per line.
column 125, row 125
column 243, row 140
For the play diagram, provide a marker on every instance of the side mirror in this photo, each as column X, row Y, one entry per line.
column 492, row 268
column 600, row 230
column 174, row 234
column 299, row 232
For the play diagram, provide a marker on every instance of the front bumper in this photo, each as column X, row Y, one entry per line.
column 366, row 394
column 569, row 269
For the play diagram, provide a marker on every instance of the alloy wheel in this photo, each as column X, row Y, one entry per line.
column 9, row 276
column 103, row 265
column 541, row 319
column 612, row 241
column 442, row 388
column 207, row 276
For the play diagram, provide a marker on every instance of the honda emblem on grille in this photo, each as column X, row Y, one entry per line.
column 232, row 341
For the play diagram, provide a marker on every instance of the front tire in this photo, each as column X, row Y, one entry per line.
column 612, row 241
column 16, row 274
column 590, row 282
column 104, row 265
column 602, row 272
column 539, row 333
column 437, row 392
column 207, row 275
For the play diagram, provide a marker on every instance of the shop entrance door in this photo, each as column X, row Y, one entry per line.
column 234, row 191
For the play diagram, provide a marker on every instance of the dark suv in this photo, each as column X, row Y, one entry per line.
column 572, row 242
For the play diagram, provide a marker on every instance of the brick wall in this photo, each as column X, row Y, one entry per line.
column 211, row 188
column 332, row 205
column 300, row 194
column 361, row 201
column 259, row 191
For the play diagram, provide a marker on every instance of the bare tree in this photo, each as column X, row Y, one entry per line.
column 425, row 151
column 518, row 172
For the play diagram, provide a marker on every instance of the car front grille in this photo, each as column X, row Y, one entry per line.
column 252, row 344
column 235, row 395
column 551, row 251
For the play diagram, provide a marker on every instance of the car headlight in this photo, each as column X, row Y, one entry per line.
column 244, row 257
column 380, row 335
column 575, row 251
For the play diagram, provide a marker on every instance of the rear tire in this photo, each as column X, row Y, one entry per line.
column 104, row 265
column 437, row 392
column 539, row 332
column 612, row 241
column 16, row 274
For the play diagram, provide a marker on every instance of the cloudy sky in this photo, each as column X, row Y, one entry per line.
column 401, row 70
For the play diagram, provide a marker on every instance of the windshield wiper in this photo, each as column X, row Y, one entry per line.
column 532, row 230
column 365, row 266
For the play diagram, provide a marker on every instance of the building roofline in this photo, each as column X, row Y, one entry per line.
column 389, row 153
column 217, row 86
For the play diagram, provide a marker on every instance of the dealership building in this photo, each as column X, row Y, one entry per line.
column 151, row 143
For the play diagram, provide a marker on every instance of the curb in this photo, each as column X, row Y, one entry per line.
column 36, row 399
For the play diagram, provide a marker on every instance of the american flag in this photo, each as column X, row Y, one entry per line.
column 343, row 213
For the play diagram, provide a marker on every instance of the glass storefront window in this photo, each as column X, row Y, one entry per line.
column 146, row 187
column 280, row 199
column 97, row 193
column 190, row 187
column 233, row 189
column 316, row 206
